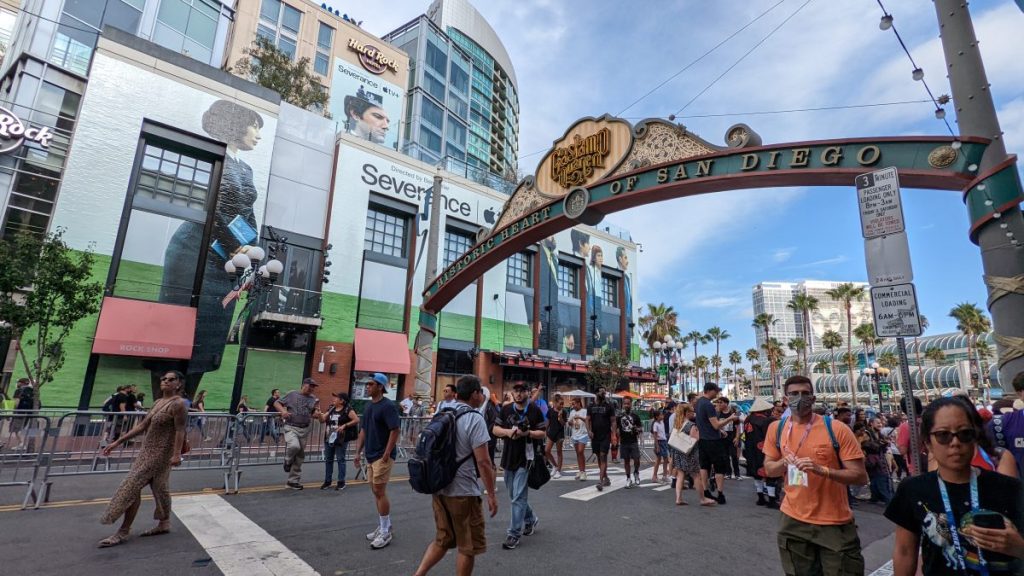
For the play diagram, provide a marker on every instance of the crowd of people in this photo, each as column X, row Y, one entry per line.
column 962, row 514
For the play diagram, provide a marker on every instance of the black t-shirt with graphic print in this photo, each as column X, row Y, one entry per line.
column 918, row 508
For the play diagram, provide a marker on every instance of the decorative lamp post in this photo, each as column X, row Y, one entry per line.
column 687, row 366
column 256, row 279
column 876, row 373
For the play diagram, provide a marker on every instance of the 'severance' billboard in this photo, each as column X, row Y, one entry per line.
column 367, row 106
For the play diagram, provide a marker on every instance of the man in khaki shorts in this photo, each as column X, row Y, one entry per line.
column 378, row 433
column 458, row 513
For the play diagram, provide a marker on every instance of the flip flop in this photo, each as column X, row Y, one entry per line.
column 112, row 541
column 154, row 532
column 708, row 503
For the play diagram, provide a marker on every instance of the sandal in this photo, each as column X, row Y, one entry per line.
column 114, row 540
column 155, row 531
column 707, row 502
column 683, row 503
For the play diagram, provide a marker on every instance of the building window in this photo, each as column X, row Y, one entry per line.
column 568, row 281
column 432, row 113
column 7, row 20
column 38, row 170
column 436, row 59
column 610, row 291
column 430, row 140
column 188, row 26
column 171, row 195
column 520, row 270
column 456, row 244
column 80, row 24
column 173, row 178
column 324, row 39
column 385, row 233
column 280, row 23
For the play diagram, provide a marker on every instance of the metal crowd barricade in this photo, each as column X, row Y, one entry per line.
column 80, row 437
column 23, row 445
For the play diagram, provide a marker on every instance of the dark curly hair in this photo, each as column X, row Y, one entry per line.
column 227, row 121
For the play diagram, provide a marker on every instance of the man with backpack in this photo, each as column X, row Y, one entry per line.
column 458, row 513
column 818, row 457
column 521, row 425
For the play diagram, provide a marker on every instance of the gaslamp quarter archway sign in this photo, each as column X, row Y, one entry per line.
column 604, row 165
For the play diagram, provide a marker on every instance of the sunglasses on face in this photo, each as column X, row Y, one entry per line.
column 965, row 436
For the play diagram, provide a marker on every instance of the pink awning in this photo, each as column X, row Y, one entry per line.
column 379, row 351
column 147, row 329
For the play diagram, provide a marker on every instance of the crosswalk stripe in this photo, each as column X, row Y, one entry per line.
column 236, row 544
column 591, row 492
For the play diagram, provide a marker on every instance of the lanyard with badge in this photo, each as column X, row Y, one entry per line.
column 961, row 562
column 794, row 475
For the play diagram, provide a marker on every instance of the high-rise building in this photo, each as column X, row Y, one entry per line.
column 365, row 77
column 773, row 298
column 463, row 97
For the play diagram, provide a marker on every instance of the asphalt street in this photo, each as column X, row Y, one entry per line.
column 267, row 529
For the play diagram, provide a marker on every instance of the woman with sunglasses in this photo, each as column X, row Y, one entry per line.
column 957, row 519
column 164, row 427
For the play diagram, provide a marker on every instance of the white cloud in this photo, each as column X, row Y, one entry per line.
column 782, row 254
column 717, row 302
column 825, row 262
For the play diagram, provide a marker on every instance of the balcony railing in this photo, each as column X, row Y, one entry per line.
column 289, row 305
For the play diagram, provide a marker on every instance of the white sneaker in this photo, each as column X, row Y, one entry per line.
column 373, row 535
column 636, row 480
column 578, row 476
column 382, row 540
column 583, row 476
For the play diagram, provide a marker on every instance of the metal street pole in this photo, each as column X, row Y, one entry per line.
column 424, row 344
column 908, row 395
column 994, row 200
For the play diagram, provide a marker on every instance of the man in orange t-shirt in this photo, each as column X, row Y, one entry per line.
column 817, row 533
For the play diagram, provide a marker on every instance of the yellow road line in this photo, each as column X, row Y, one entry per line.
column 148, row 497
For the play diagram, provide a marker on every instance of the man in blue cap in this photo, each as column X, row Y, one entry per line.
column 378, row 433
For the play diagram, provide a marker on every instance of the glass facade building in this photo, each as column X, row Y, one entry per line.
column 463, row 107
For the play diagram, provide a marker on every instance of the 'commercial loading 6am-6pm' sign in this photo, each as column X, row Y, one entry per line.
column 927, row 162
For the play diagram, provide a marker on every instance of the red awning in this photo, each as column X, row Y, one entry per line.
column 628, row 394
column 379, row 351
column 147, row 329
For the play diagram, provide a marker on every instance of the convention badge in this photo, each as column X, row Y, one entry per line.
column 795, row 476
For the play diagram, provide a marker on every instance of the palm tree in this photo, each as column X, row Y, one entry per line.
column 847, row 293
column 983, row 351
column 773, row 351
column 697, row 337
column 917, row 354
column 821, row 366
column 765, row 321
column 755, row 370
column 888, row 360
column 866, row 334
column 805, row 304
column 700, row 365
column 936, row 355
column 716, row 363
column 735, row 358
column 798, row 345
column 971, row 321
column 741, row 377
column 659, row 322
column 727, row 374
column 832, row 340
column 717, row 334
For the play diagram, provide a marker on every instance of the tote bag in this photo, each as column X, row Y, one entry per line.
column 681, row 441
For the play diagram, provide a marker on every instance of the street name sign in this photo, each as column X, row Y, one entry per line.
column 895, row 311
column 888, row 260
column 881, row 211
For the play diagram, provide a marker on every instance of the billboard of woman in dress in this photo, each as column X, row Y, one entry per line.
column 234, row 226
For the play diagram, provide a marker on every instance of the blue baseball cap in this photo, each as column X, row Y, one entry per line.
column 381, row 379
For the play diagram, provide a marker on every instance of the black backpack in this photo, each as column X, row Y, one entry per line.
column 108, row 406
column 433, row 466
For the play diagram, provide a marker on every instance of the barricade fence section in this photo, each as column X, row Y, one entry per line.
column 40, row 448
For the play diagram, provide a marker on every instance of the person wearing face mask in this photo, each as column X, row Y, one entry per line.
column 818, row 457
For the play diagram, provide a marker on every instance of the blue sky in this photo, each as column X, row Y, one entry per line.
column 578, row 58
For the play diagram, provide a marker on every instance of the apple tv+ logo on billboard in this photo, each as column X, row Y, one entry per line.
column 407, row 184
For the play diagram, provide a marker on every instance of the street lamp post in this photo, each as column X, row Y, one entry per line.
column 256, row 280
column 876, row 373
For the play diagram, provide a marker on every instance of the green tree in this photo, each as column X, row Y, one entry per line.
column 271, row 68
column 735, row 358
column 971, row 321
column 659, row 322
column 700, row 367
column 773, row 351
column 765, row 321
column 865, row 333
column 716, row 363
column 821, row 366
column 799, row 345
column 717, row 334
column 805, row 304
column 697, row 337
column 847, row 293
column 607, row 369
column 741, row 377
column 45, row 289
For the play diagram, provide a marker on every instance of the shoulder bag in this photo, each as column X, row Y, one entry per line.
column 681, row 441
column 538, row 474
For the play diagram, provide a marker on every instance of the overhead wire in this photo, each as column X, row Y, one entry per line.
column 743, row 57
column 934, row 100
